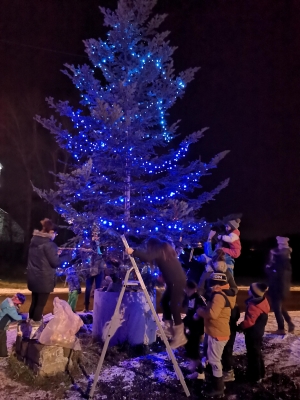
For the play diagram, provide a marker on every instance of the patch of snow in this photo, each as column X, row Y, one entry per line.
column 109, row 374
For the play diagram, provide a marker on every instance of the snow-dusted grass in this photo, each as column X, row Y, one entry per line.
column 153, row 377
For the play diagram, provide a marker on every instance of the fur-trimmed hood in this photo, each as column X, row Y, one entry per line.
column 42, row 234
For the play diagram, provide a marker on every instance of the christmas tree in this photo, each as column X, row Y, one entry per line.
column 126, row 174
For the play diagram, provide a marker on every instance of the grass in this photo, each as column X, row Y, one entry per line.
column 19, row 372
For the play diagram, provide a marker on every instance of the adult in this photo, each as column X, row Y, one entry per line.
column 95, row 271
column 279, row 273
column 43, row 259
column 164, row 256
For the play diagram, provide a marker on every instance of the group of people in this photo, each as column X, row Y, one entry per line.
column 212, row 314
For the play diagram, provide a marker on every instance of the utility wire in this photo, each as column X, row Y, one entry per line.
column 41, row 48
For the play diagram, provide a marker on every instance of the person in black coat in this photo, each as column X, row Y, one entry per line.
column 43, row 260
column 164, row 256
column 279, row 273
column 194, row 327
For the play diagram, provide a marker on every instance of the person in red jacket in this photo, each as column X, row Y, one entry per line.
column 256, row 317
column 232, row 238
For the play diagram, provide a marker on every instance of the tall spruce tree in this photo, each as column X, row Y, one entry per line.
column 126, row 174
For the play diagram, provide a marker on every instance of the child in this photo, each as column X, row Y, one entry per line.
column 194, row 327
column 210, row 253
column 74, row 287
column 216, row 325
column 256, row 317
column 9, row 312
column 233, row 238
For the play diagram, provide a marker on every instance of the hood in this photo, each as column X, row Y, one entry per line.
column 39, row 238
column 42, row 234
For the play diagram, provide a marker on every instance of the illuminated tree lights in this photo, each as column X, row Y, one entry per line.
column 126, row 174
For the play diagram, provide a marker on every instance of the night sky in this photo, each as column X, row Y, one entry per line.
column 247, row 91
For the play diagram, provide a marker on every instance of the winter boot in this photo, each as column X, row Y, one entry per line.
column 179, row 338
column 217, row 389
column 228, row 376
column 291, row 327
column 168, row 328
column 279, row 332
column 196, row 375
column 35, row 327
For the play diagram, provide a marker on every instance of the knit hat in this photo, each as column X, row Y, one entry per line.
column 234, row 223
column 283, row 241
column 20, row 297
column 217, row 278
column 258, row 289
column 219, row 266
column 218, row 261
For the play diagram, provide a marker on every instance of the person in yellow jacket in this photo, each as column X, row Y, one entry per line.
column 216, row 325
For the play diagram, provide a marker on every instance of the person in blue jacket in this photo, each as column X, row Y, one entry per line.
column 9, row 312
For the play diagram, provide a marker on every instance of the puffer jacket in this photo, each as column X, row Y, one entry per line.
column 217, row 313
column 256, row 316
column 279, row 272
column 42, row 262
column 8, row 308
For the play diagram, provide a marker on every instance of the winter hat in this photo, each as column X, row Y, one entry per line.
column 283, row 241
column 48, row 225
column 20, row 297
column 219, row 266
column 258, row 289
column 218, row 261
column 234, row 223
column 217, row 278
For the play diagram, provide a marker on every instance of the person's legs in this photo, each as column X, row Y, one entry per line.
column 165, row 304
column 176, row 299
column 227, row 357
column 88, row 288
column 192, row 345
column 98, row 280
column 214, row 353
column 34, row 297
column 276, row 306
column 4, row 321
column 255, row 366
column 72, row 299
column 41, row 301
column 3, row 344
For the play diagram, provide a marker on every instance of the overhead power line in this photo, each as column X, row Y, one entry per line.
column 42, row 48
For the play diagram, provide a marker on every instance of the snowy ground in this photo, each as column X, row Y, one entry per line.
column 152, row 376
